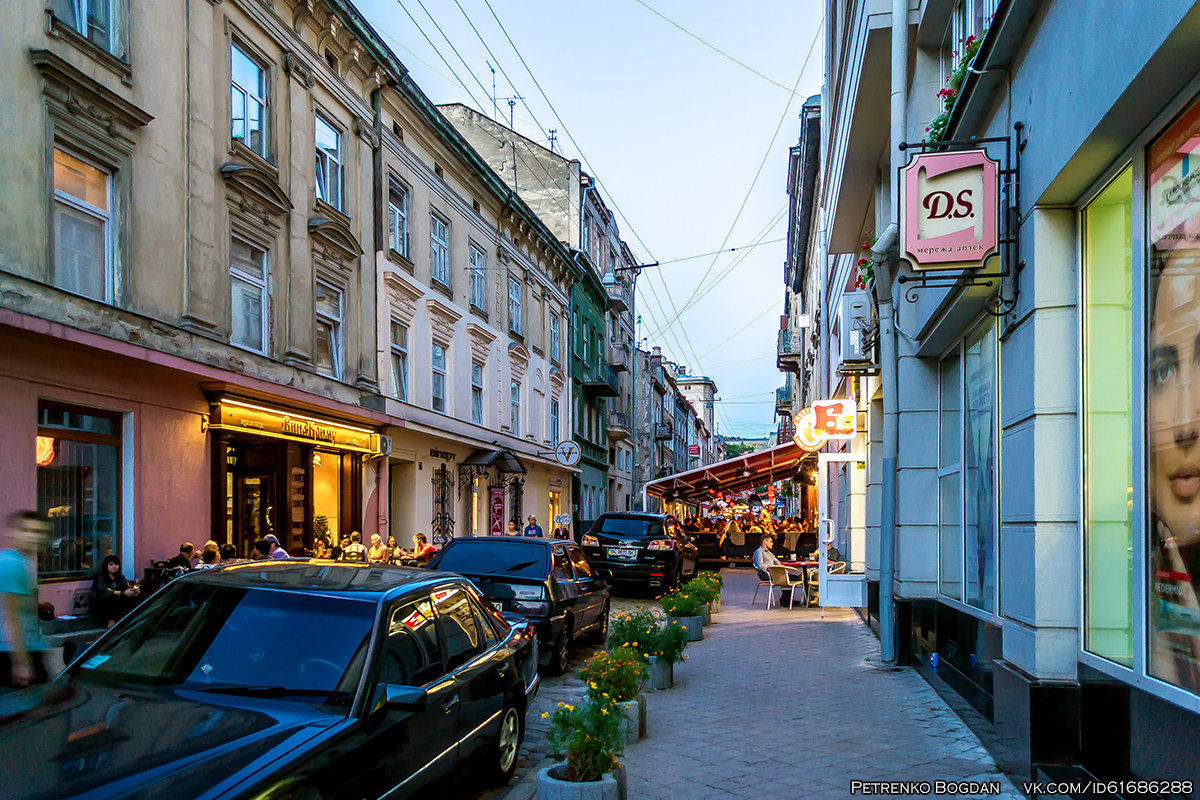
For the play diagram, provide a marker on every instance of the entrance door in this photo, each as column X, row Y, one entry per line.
column 841, row 484
column 254, row 505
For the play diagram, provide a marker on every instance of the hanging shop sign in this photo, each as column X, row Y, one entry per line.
column 807, row 436
column 496, row 510
column 949, row 212
column 825, row 420
column 235, row 415
column 567, row 453
column 694, row 450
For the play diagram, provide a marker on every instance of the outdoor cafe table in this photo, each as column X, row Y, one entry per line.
column 803, row 566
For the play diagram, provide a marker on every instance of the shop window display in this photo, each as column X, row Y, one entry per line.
column 1173, row 403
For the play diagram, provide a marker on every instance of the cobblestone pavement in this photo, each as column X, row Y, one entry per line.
column 781, row 702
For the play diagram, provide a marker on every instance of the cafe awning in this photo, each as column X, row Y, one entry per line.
column 736, row 474
column 502, row 460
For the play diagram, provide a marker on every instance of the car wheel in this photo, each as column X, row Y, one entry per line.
column 562, row 650
column 504, row 750
column 599, row 633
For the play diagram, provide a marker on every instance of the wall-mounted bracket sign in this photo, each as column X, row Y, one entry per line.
column 825, row 420
column 949, row 212
column 567, row 453
column 960, row 211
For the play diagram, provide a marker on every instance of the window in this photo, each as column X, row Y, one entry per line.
column 93, row 19
column 413, row 654
column 555, row 338
column 459, row 631
column 439, row 378
column 82, row 228
column 478, row 278
column 248, row 107
column 398, row 218
column 514, row 420
column 514, row 304
column 477, row 392
column 329, row 163
column 78, row 488
column 439, row 250
column 554, row 423
column 1107, row 227
column 399, row 361
column 329, row 330
column 248, row 309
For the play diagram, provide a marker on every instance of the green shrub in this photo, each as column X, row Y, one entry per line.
column 618, row 674
column 682, row 603
column 706, row 590
column 588, row 735
column 647, row 636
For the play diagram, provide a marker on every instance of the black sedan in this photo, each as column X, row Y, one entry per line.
column 550, row 582
column 643, row 548
column 280, row 680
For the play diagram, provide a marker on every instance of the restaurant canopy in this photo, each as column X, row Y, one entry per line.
column 737, row 474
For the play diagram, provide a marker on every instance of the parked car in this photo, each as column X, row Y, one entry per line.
column 549, row 582
column 647, row 549
column 274, row 680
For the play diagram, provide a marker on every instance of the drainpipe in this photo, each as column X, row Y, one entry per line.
column 887, row 337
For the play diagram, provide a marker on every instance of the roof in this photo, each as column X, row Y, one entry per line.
column 316, row 576
column 732, row 475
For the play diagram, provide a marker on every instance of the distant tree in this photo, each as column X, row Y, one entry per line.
column 740, row 449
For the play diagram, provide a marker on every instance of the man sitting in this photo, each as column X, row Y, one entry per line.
column 763, row 558
column 183, row 560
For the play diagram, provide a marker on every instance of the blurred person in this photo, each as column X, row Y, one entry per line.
column 209, row 557
column 228, row 553
column 22, row 647
column 393, row 551
column 512, row 528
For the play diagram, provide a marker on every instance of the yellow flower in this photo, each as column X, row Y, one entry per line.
column 604, row 711
column 545, row 714
column 634, row 644
column 594, row 686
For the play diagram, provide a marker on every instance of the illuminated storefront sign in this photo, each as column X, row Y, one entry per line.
column 949, row 214
column 235, row 415
column 825, row 420
column 496, row 511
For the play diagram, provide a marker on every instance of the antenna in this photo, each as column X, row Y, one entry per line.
column 553, row 139
column 512, row 104
column 493, row 69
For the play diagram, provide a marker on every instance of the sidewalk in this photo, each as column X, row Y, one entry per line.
column 783, row 702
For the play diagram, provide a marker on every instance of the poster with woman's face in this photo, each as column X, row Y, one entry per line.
column 1173, row 403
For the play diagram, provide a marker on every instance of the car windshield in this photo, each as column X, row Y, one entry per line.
column 626, row 526
column 211, row 637
column 502, row 557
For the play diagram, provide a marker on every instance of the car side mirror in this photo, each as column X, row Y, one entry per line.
column 405, row 698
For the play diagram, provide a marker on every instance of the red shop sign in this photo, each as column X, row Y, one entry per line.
column 496, row 510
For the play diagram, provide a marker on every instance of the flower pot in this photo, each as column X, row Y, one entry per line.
column 715, row 605
column 662, row 673
column 633, row 724
column 552, row 788
column 708, row 613
column 694, row 626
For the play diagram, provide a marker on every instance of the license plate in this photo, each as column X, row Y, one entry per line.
column 622, row 552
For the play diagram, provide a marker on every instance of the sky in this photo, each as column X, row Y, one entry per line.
column 674, row 131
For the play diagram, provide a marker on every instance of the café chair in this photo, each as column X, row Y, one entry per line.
column 782, row 580
column 764, row 579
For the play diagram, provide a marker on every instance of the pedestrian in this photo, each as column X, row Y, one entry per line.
column 22, row 648
column 183, row 559
column 533, row 529
column 277, row 550
column 112, row 597
column 512, row 528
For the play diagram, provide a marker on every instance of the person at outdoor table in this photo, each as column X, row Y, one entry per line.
column 183, row 559
column 422, row 552
column 228, row 553
column 111, row 597
column 533, row 529
column 394, row 551
column 209, row 558
column 321, row 548
column 261, row 550
column 277, row 550
column 378, row 553
column 763, row 558
column 355, row 551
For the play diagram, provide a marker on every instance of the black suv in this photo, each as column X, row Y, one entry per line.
column 634, row 547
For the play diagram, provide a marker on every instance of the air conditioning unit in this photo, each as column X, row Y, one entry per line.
column 385, row 445
column 855, row 322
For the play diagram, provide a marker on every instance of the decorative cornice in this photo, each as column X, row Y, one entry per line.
column 257, row 186
column 294, row 65
column 402, row 295
column 442, row 319
column 518, row 359
column 336, row 235
column 481, row 340
column 366, row 131
column 84, row 97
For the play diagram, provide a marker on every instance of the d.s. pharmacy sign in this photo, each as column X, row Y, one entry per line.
column 949, row 210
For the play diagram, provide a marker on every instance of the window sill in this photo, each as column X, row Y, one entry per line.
column 239, row 149
column 399, row 259
column 332, row 212
column 537, row 350
column 441, row 287
column 110, row 61
column 479, row 312
column 516, row 335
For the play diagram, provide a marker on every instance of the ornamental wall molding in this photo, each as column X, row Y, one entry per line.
column 294, row 65
column 481, row 339
column 518, row 359
column 88, row 104
column 442, row 319
column 403, row 295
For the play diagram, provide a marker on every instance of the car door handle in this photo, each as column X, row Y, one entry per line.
column 449, row 704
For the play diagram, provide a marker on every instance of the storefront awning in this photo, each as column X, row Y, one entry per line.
column 502, row 460
column 732, row 475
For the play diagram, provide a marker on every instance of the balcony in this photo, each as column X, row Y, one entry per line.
column 620, row 293
column 663, row 431
column 789, row 353
column 618, row 425
column 783, row 400
column 601, row 381
column 619, row 356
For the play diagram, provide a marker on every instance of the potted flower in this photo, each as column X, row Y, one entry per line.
column 618, row 676
column 685, row 608
column 707, row 591
column 589, row 736
column 661, row 645
column 717, row 583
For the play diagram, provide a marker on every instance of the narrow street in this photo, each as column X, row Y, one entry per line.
column 783, row 701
